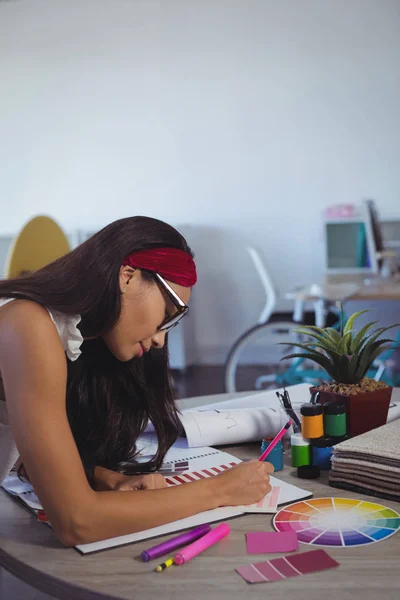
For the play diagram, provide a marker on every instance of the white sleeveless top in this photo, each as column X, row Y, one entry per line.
column 71, row 339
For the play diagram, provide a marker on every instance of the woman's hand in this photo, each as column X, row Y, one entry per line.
column 154, row 481
column 247, row 483
column 106, row 480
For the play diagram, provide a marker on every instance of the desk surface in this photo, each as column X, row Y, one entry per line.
column 30, row 551
column 354, row 287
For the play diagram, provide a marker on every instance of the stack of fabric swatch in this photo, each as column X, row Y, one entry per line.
column 369, row 463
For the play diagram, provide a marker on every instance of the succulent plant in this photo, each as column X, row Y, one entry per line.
column 345, row 355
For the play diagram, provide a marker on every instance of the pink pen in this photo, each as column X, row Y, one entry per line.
column 202, row 544
column 276, row 439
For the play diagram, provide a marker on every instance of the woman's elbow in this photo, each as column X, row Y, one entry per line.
column 74, row 536
column 68, row 538
column 71, row 536
column 76, row 530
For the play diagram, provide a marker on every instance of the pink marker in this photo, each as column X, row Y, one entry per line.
column 202, row 544
column 276, row 439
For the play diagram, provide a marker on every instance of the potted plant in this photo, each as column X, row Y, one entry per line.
column 346, row 356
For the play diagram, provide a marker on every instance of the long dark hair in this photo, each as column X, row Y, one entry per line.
column 109, row 402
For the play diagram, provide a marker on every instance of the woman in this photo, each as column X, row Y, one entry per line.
column 84, row 367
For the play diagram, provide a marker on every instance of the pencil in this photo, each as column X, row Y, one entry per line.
column 276, row 439
column 167, row 563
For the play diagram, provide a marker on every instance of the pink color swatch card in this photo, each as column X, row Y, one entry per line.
column 292, row 565
column 268, row 542
column 268, row 504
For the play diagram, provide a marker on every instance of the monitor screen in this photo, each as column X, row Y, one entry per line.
column 347, row 246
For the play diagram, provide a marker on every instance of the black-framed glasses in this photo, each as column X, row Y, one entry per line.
column 182, row 308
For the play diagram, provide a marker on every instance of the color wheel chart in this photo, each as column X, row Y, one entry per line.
column 338, row 521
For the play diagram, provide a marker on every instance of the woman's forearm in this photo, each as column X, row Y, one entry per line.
column 113, row 514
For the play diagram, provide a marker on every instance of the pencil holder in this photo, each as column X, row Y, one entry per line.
column 275, row 457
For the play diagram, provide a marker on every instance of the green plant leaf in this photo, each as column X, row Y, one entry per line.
column 341, row 319
column 333, row 334
column 309, row 346
column 353, row 366
column 352, row 318
column 365, row 365
column 360, row 335
column 348, row 344
column 332, row 354
column 319, row 330
column 322, row 339
column 312, row 330
column 379, row 332
column 342, row 345
column 320, row 360
column 342, row 369
column 349, row 340
column 368, row 339
column 368, row 355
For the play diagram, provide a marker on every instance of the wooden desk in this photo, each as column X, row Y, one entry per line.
column 31, row 552
column 324, row 295
column 369, row 288
column 349, row 287
column 378, row 291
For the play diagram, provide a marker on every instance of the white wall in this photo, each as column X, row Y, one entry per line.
column 241, row 118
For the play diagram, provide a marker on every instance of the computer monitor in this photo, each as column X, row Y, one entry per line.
column 376, row 228
column 350, row 244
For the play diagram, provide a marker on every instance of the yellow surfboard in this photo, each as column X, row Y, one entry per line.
column 39, row 242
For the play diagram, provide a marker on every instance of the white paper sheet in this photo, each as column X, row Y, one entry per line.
column 216, row 427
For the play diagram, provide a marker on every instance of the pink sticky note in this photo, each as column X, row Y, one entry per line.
column 264, row 542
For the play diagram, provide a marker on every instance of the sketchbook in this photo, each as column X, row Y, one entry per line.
column 198, row 458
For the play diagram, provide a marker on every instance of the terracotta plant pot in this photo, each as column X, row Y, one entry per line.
column 365, row 411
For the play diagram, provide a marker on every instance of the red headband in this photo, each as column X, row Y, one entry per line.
column 172, row 264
